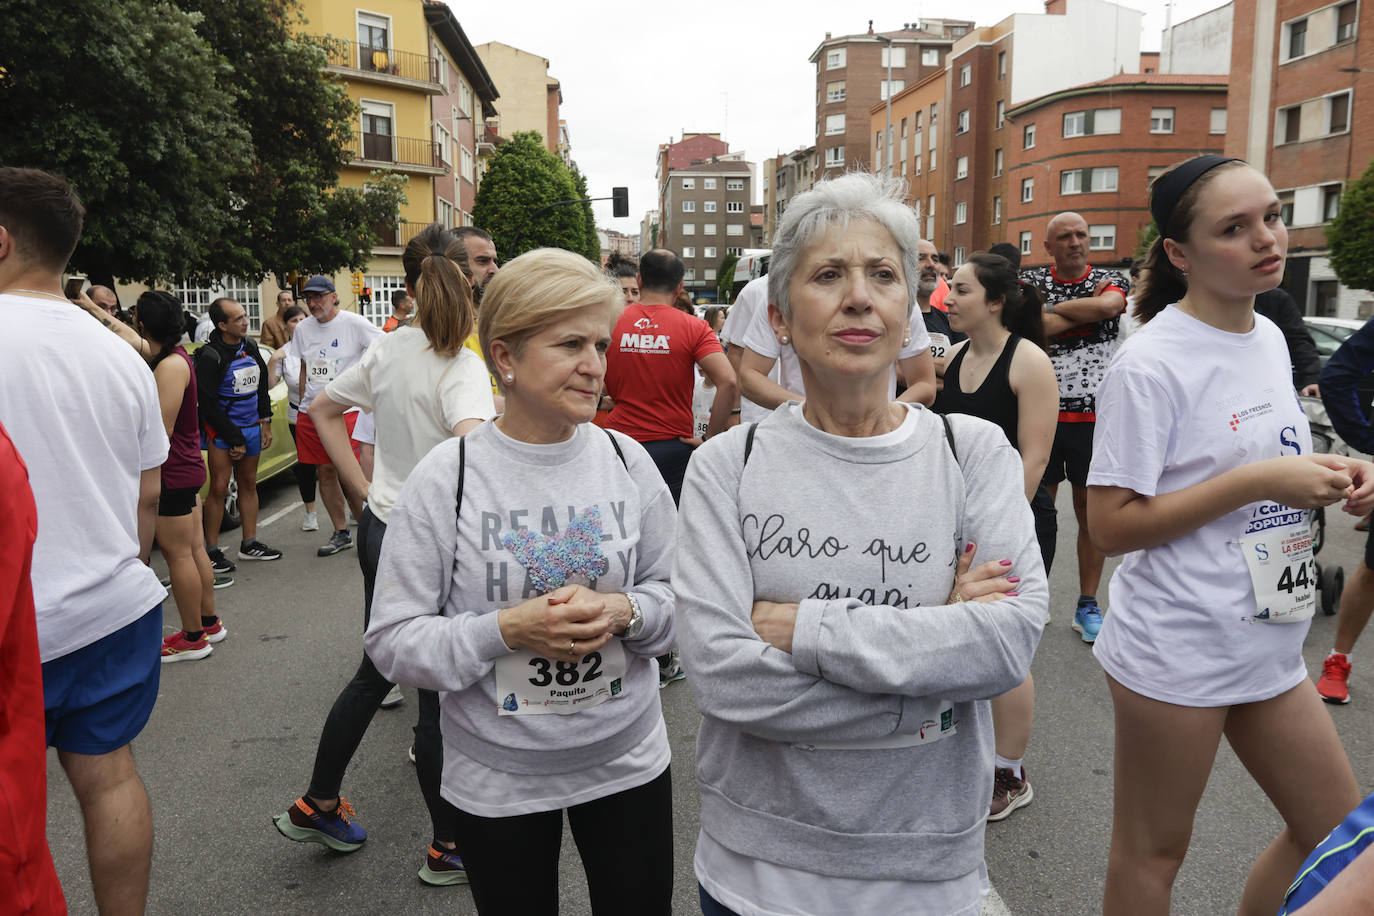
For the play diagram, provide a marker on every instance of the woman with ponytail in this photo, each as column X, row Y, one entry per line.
column 1202, row 473
column 180, row 532
column 1002, row 374
column 422, row 387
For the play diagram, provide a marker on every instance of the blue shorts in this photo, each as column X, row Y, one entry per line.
column 251, row 434
column 98, row 698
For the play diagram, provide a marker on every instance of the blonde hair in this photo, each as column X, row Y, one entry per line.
column 536, row 290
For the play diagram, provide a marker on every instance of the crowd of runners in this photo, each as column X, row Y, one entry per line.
column 830, row 507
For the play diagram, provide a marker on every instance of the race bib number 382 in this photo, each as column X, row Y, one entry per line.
column 1278, row 551
column 531, row 685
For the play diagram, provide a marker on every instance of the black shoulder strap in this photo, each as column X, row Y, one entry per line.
column 949, row 435
column 749, row 441
column 616, row 445
column 462, row 465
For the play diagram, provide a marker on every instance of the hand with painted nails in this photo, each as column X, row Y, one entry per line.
column 991, row 581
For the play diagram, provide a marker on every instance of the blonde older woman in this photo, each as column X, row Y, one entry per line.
column 540, row 612
column 840, row 647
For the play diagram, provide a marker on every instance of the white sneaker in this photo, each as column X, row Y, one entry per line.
column 394, row 698
column 311, row 522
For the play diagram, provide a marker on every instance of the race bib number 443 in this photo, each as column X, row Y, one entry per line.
column 1278, row 552
column 531, row 685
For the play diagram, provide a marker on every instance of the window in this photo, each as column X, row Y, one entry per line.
column 1101, row 238
column 373, row 36
column 834, row 156
column 917, row 128
column 689, row 275
column 1025, row 242
column 965, row 75
column 962, row 122
column 1331, row 202
column 1152, row 173
column 734, row 229
column 932, row 158
column 960, row 168
column 958, row 255
column 1338, row 113
column 1074, row 123
column 930, row 217
column 445, row 215
column 441, row 65
column 1027, row 190
column 1093, row 122
column 996, row 210
column 445, row 141
column 834, row 92
column 734, row 184
column 1291, row 119
column 1327, row 296
column 708, row 206
column 689, row 251
column 1082, row 181
column 709, row 251
column 467, row 164
column 378, row 144
column 734, row 206
column 1001, row 113
column 689, row 206
column 930, row 57
column 930, row 206
column 1161, row 120
column 1001, row 64
column 896, row 56
column 689, row 184
column 960, row 213
column 916, row 164
column 1297, row 38
column 1286, row 207
column 464, row 97
column 246, row 293
column 709, row 275
column 708, row 184
column 1218, row 122
column 689, row 228
column 708, row 229
column 895, row 87
column 834, row 124
column 997, row 162
column 734, row 251
column 834, row 60
column 1345, row 22
column 1028, row 137
column 382, row 285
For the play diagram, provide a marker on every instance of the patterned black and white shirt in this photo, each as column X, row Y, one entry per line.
column 1080, row 354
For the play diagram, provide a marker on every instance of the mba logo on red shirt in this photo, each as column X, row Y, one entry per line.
column 649, row 370
column 644, row 338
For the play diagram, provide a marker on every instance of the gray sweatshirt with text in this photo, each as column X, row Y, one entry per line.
column 868, row 751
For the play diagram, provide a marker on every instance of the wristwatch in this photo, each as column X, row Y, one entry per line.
column 636, row 618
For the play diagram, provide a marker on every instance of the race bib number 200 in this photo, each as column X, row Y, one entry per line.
column 1278, row 552
column 531, row 685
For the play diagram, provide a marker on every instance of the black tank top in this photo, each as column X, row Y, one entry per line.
column 994, row 400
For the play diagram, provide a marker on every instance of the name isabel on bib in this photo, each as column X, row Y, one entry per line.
column 1278, row 552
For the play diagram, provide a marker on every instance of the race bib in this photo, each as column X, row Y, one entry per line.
column 320, row 370
column 531, row 685
column 936, row 728
column 246, row 380
column 700, row 424
column 1278, row 550
column 939, row 345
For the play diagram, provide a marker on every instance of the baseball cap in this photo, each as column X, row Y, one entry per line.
column 318, row 284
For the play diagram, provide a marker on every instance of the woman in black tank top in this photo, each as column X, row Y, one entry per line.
column 1002, row 374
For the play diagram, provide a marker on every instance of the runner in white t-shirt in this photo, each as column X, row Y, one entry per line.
column 1202, row 471
column 327, row 343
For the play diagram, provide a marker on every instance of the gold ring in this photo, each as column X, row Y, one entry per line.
column 958, row 598
column 572, row 645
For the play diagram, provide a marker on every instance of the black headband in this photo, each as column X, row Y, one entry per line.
column 1170, row 186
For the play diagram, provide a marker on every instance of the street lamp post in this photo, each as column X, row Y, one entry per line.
column 887, row 130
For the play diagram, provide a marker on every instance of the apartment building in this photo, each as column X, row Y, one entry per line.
column 530, row 97
column 915, row 148
column 852, row 74
column 458, row 115
column 784, row 177
column 706, row 216
column 1299, row 68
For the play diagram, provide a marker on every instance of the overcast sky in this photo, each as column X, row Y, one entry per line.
column 638, row 77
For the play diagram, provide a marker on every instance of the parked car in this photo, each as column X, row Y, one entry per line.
column 276, row 458
column 1330, row 333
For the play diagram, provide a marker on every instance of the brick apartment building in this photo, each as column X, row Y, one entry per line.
column 784, row 176
column 1299, row 70
column 706, row 216
column 852, row 75
column 459, row 114
column 916, row 157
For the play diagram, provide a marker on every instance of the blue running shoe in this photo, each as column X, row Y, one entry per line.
column 443, row 868
column 335, row 829
column 1088, row 620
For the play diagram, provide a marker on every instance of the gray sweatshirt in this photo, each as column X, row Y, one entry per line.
column 434, row 621
column 795, row 757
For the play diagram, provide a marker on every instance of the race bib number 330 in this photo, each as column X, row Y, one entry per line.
column 531, row 685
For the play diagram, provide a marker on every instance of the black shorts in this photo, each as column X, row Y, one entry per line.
column 177, row 501
column 1368, row 546
column 1071, row 454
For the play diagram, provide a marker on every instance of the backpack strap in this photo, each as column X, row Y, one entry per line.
column 462, row 466
column 616, row 445
column 949, row 437
column 749, row 441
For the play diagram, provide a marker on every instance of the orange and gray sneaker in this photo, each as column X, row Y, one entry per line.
column 443, row 868
column 177, row 648
column 304, row 823
column 1009, row 793
column 1333, row 685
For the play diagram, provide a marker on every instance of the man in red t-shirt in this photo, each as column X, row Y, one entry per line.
column 649, row 370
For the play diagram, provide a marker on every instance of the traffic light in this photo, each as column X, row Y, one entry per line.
column 357, row 283
column 366, row 295
column 620, row 202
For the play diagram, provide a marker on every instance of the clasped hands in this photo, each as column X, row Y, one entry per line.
column 565, row 624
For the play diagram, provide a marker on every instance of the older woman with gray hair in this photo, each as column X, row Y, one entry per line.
column 841, row 644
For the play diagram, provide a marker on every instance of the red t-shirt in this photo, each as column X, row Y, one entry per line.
column 27, row 878
column 649, row 370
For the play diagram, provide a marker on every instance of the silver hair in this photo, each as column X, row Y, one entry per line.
column 835, row 202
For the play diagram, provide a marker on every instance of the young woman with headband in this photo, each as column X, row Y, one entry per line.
column 1202, row 473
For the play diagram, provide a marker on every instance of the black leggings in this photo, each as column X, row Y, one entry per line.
column 671, row 457
column 305, row 475
column 362, row 696
column 1046, row 524
column 625, row 841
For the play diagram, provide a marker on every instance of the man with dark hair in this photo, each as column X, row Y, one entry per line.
column 108, row 302
column 942, row 336
column 482, row 262
column 1008, row 251
column 274, row 333
column 82, row 409
column 402, row 311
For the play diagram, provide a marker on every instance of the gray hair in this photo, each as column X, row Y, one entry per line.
column 835, row 202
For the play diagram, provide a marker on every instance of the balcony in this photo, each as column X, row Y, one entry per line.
column 396, row 237
column 384, row 65
column 403, row 154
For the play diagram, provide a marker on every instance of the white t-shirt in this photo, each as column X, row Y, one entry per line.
column 759, row 337
column 290, row 368
column 752, row 300
column 203, row 328
column 329, row 349
column 82, row 408
column 1181, row 403
column 416, row 398
column 703, row 399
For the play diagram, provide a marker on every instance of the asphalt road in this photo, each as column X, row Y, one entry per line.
column 232, row 739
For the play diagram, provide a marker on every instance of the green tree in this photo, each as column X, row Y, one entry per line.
column 592, row 246
column 123, row 99
column 1144, row 238
column 725, row 277
column 1351, row 234
column 521, row 201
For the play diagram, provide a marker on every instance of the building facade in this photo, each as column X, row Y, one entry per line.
column 1300, row 69
column 530, row 98
column 916, row 120
column 458, row 115
column 705, row 217
column 791, row 174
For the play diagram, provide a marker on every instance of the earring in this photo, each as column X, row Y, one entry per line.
column 784, row 340
column 906, row 341
column 509, row 378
